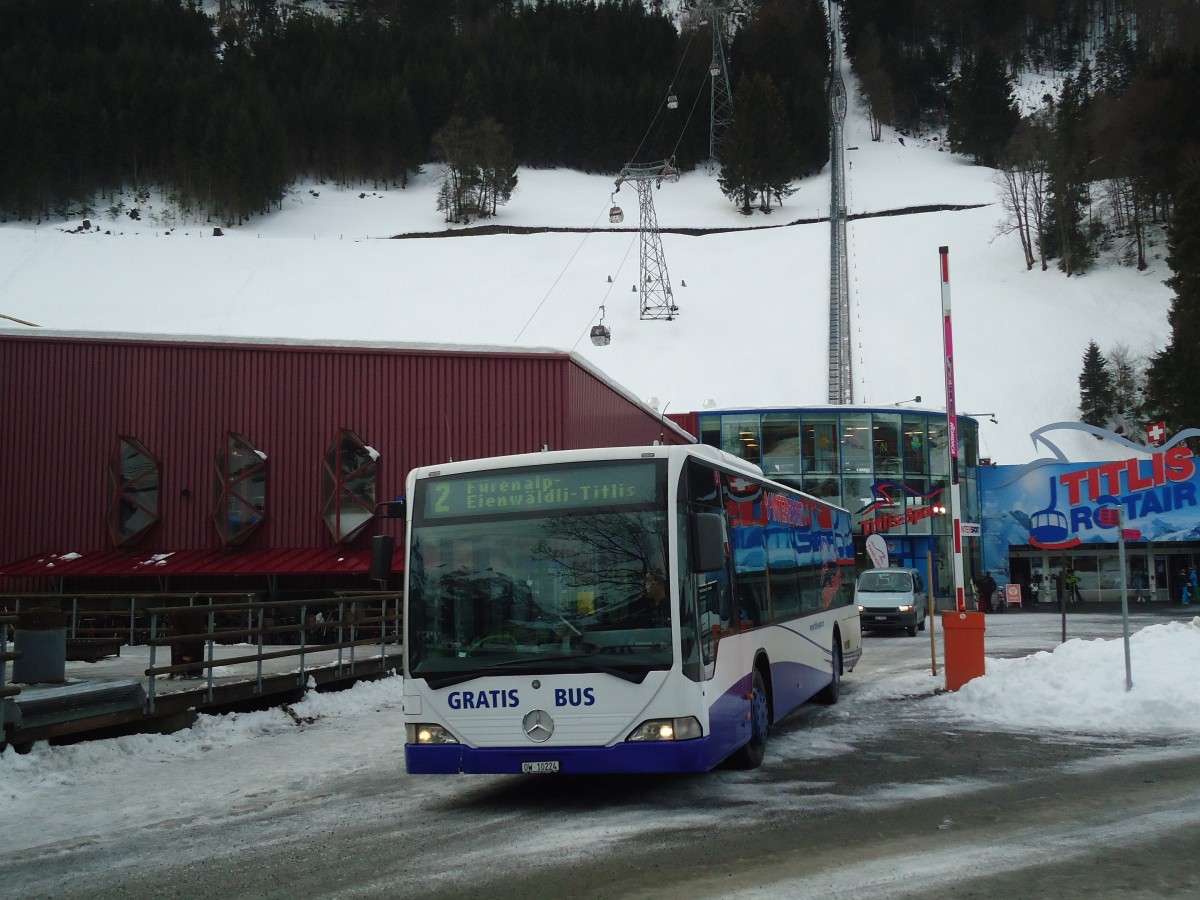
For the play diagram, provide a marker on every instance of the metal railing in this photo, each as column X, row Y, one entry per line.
column 124, row 616
column 193, row 625
column 6, row 656
column 339, row 624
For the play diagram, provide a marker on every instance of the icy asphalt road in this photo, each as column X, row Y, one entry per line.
column 880, row 796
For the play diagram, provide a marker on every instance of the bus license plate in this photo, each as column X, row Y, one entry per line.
column 538, row 768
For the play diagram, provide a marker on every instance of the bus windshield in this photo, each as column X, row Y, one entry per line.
column 548, row 589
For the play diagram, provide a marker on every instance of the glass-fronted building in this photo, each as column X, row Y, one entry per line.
column 888, row 466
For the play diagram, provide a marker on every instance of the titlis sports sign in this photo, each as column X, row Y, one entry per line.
column 892, row 494
column 1069, row 505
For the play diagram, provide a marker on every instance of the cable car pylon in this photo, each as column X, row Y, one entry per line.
column 720, row 108
column 656, row 300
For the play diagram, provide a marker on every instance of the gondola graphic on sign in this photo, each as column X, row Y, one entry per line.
column 1048, row 527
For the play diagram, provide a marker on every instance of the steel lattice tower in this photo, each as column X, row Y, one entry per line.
column 720, row 108
column 841, row 384
column 656, row 300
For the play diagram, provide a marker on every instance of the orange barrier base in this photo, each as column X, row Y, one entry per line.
column 963, row 635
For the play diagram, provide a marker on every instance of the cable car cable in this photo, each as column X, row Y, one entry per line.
column 604, row 299
column 586, row 235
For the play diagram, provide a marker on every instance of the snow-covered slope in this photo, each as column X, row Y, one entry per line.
column 752, row 328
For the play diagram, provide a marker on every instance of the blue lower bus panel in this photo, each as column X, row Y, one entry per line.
column 668, row 756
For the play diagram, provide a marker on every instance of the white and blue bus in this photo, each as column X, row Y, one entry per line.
column 643, row 609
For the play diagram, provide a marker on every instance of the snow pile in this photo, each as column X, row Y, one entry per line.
column 1080, row 686
column 47, row 765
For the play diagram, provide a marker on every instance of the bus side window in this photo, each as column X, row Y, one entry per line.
column 714, row 596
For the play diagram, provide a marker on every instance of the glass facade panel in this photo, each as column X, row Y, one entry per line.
column 133, row 492
column 348, row 477
column 856, row 494
column 781, row 443
column 819, row 444
column 939, row 459
column 856, row 443
column 825, row 487
column 970, row 500
column 885, row 443
column 919, row 505
column 968, row 443
column 940, row 524
column 916, row 449
column 842, row 455
column 739, row 436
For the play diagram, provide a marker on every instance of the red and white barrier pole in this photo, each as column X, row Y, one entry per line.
column 955, row 504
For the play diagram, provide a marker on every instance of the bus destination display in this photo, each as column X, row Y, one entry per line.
column 541, row 490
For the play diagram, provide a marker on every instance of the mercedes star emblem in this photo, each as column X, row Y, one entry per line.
column 538, row 725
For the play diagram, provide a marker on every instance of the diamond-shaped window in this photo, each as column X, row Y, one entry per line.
column 241, row 489
column 133, row 492
column 349, row 475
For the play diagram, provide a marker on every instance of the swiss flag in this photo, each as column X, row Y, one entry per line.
column 1156, row 433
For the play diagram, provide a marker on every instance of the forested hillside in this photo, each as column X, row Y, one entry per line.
column 224, row 112
column 1106, row 162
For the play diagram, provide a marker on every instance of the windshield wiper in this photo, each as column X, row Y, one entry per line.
column 560, row 657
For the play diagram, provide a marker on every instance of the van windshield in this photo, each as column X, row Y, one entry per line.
column 880, row 582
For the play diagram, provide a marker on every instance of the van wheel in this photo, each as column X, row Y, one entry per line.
column 750, row 755
column 921, row 624
column 912, row 630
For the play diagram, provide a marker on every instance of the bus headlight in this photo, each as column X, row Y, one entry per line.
column 429, row 734
column 667, row 730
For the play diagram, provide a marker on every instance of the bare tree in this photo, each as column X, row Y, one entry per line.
column 1022, row 181
column 1129, row 382
column 1127, row 205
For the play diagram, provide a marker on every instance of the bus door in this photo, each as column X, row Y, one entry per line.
column 714, row 606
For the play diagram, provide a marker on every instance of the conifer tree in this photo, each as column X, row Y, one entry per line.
column 756, row 157
column 983, row 110
column 1173, row 379
column 1065, row 236
column 1097, row 393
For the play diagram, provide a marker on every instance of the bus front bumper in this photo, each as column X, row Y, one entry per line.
column 631, row 756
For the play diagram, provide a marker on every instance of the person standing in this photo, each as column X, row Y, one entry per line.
column 1189, row 586
column 1073, row 586
column 987, row 587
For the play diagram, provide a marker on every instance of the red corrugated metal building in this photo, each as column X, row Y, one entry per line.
column 81, row 409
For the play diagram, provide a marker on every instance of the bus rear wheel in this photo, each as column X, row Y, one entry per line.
column 750, row 755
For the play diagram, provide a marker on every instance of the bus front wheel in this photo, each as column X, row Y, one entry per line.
column 830, row 693
column 750, row 755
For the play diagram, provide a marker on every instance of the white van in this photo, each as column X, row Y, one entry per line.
column 892, row 598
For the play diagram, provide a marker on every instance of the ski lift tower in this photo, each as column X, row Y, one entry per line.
column 720, row 109
column 841, row 382
column 656, row 300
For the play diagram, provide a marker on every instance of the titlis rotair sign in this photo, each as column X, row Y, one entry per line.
column 1151, row 496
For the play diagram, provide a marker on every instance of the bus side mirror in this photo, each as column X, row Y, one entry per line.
column 710, row 543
